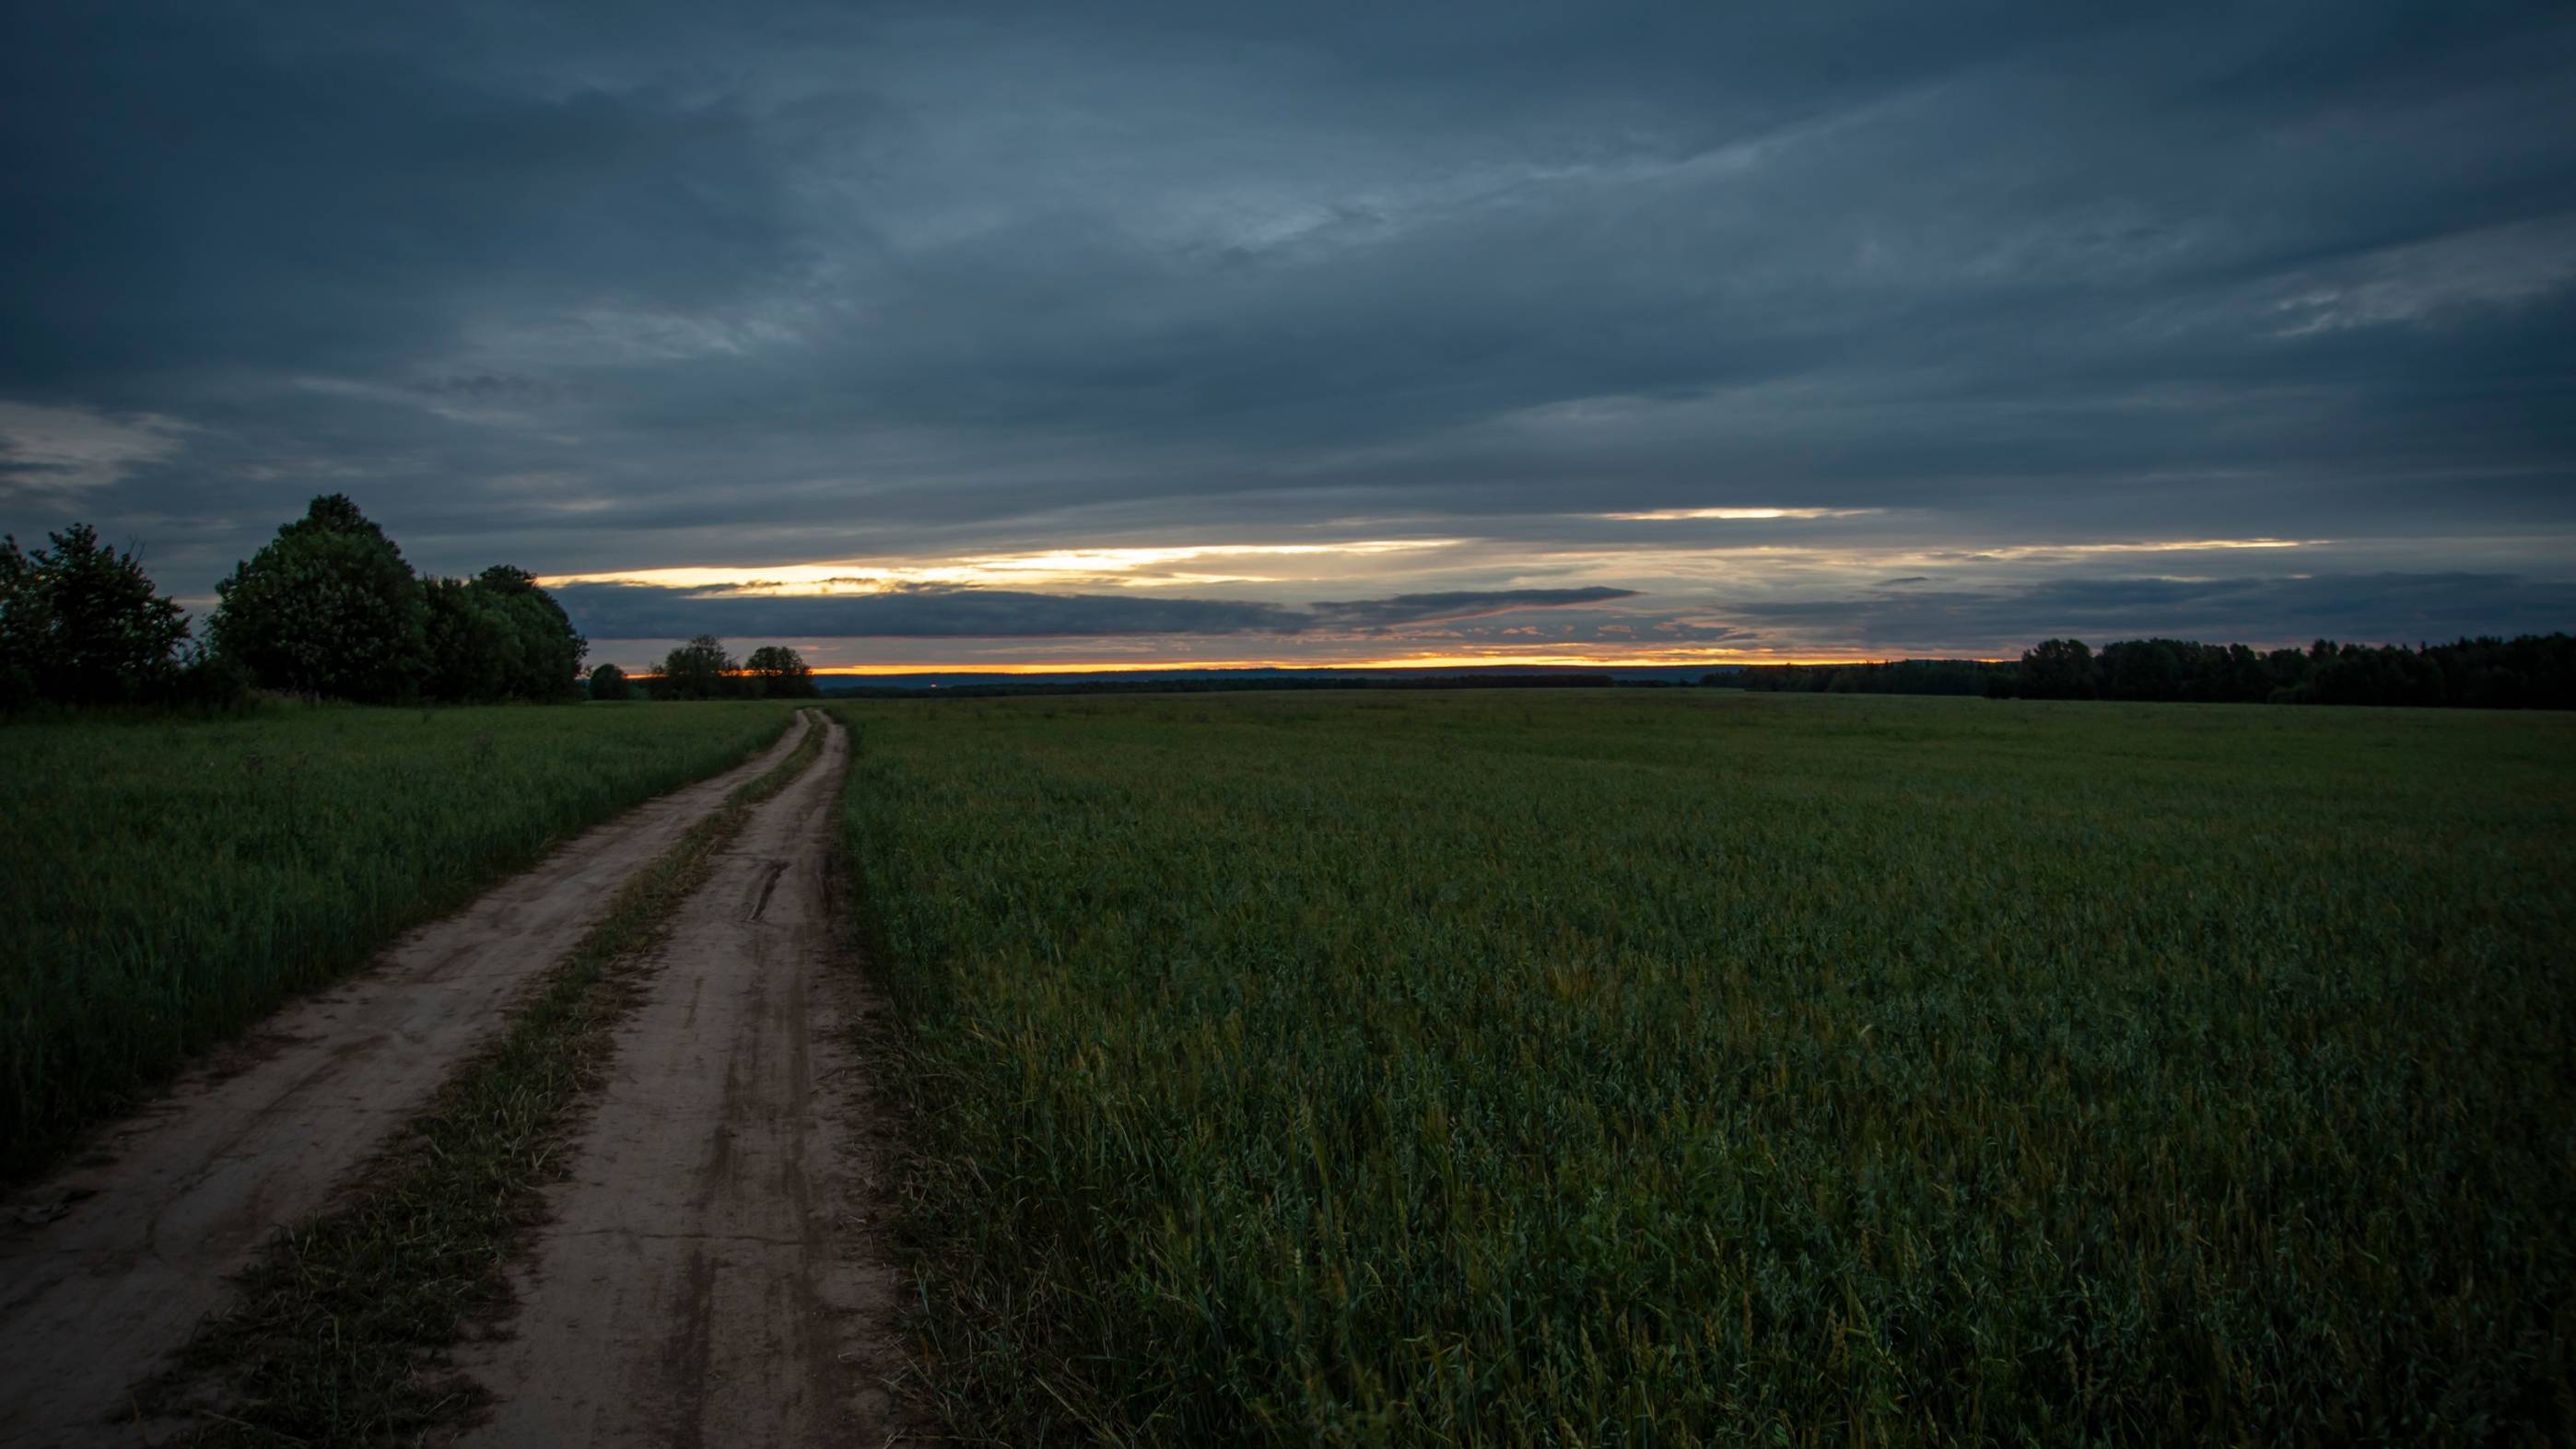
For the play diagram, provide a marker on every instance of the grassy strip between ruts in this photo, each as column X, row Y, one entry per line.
column 342, row 1332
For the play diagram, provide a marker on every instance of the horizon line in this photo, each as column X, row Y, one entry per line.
column 1438, row 662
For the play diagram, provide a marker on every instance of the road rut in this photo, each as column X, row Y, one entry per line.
column 706, row 1277
column 167, row 1205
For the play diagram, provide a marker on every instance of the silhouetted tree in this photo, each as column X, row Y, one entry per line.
column 469, row 642
column 549, row 650
column 81, row 624
column 24, row 622
column 780, row 672
column 2360, row 674
column 2140, row 669
column 328, row 607
column 608, row 682
column 499, row 636
column 699, row 669
column 2057, row 669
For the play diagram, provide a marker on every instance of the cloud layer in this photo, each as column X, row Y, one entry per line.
column 1725, row 315
column 933, row 611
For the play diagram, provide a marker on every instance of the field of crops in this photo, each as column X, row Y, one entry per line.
column 167, row 882
column 1509, row 1068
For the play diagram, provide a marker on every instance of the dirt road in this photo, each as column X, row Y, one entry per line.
column 145, row 1229
column 704, row 1279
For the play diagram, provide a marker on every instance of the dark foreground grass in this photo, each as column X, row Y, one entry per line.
column 166, row 883
column 1684, row 1068
column 342, row 1332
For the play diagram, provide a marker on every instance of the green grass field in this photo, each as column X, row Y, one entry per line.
column 168, row 882
column 1583, row 1068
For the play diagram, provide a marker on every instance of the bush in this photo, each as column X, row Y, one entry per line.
column 208, row 683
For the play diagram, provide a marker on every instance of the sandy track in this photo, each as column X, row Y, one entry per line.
column 706, row 1278
column 168, row 1204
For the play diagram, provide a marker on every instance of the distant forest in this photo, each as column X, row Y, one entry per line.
column 328, row 609
column 2534, row 671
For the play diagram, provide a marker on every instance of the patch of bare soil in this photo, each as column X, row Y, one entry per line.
column 709, row 1276
column 106, row 1266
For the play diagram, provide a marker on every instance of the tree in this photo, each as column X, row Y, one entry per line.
column 469, row 643
column 327, row 607
column 547, row 651
column 2057, row 669
column 499, row 636
column 699, row 669
column 780, row 672
column 2143, row 669
column 80, row 623
column 24, row 622
column 608, row 682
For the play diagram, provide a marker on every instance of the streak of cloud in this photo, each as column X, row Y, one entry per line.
column 934, row 611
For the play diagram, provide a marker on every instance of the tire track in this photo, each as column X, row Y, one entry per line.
column 111, row 1262
column 706, row 1277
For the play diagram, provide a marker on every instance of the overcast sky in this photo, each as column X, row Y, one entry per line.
column 1111, row 333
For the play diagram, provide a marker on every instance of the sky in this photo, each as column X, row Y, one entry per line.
column 1054, row 335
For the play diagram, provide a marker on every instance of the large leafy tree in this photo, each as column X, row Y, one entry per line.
column 470, row 643
column 24, row 622
column 546, row 659
column 81, row 623
column 499, row 636
column 699, row 669
column 327, row 607
column 780, row 672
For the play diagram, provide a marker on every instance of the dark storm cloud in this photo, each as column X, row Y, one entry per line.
column 922, row 611
column 1425, row 608
column 635, row 611
column 207, row 186
column 595, row 287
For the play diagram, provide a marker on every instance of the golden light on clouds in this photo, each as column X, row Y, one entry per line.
column 1675, row 515
column 2172, row 545
column 1154, row 567
column 1663, row 594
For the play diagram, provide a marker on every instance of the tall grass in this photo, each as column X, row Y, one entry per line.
column 1508, row 1069
column 167, row 882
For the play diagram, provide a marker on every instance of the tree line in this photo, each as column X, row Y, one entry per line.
column 327, row 609
column 2534, row 671
column 1895, row 676
column 702, row 669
